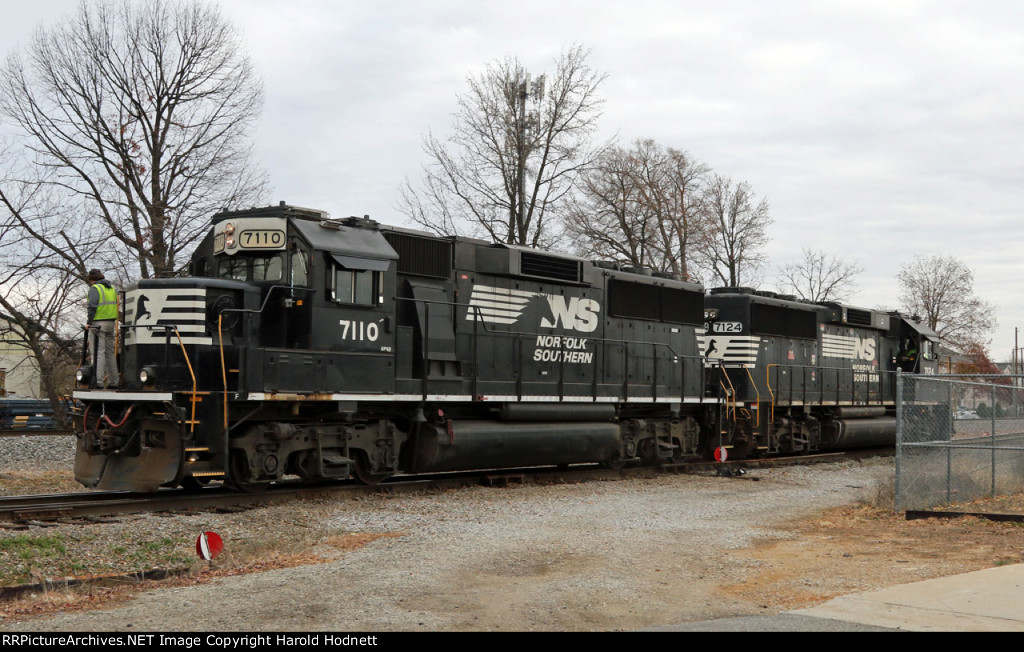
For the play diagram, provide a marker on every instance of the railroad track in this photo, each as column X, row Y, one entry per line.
column 93, row 506
column 36, row 432
column 18, row 511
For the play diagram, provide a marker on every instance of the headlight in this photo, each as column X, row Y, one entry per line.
column 146, row 376
column 83, row 374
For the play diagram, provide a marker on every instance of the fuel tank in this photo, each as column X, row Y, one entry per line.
column 859, row 433
column 463, row 445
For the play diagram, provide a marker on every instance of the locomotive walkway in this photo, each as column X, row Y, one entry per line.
column 990, row 600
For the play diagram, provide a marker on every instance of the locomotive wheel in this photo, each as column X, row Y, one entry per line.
column 361, row 469
column 239, row 477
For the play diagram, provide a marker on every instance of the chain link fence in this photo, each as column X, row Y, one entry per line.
column 959, row 439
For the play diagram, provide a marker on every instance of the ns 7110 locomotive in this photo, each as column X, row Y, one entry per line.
column 308, row 347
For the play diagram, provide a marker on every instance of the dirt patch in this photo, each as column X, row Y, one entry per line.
column 853, row 549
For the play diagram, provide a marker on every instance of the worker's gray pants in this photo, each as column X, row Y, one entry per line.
column 101, row 347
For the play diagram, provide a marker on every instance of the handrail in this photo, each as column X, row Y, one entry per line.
column 757, row 394
column 768, row 384
column 184, row 351
column 730, row 395
column 839, row 373
column 223, row 369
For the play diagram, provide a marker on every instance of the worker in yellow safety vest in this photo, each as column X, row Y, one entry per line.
column 101, row 322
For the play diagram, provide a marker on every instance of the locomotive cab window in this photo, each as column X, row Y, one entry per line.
column 357, row 281
column 268, row 268
column 252, row 268
column 359, row 287
column 236, row 268
column 355, row 286
column 927, row 349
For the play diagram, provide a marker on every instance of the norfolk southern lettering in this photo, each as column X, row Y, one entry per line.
column 552, row 348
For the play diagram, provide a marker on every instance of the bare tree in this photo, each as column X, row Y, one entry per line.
column 733, row 250
column 133, row 123
column 40, row 292
column 940, row 289
column 136, row 120
column 819, row 277
column 608, row 220
column 34, row 304
column 516, row 150
column 640, row 207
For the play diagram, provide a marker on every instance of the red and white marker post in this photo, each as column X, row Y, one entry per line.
column 209, row 545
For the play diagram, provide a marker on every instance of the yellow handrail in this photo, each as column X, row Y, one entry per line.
column 184, row 352
column 757, row 422
column 768, row 384
column 730, row 393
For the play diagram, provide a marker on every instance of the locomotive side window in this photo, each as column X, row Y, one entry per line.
column 356, row 280
column 356, row 286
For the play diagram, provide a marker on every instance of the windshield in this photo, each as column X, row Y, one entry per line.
column 252, row 268
column 927, row 349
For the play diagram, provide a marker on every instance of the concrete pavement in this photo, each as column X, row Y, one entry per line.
column 990, row 600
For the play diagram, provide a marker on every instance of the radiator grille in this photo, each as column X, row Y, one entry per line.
column 421, row 256
column 858, row 317
column 563, row 269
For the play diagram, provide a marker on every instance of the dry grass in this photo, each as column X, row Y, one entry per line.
column 250, row 557
column 27, row 483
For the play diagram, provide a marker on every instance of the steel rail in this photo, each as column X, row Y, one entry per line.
column 20, row 511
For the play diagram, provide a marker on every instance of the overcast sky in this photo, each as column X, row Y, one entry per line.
column 877, row 131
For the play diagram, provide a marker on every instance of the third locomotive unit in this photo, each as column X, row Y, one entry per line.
column 302, row 345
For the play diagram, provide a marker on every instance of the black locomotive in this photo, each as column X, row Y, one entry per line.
column 802, row 377
column 325, row 348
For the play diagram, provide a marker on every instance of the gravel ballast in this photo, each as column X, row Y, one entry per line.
column 603, row 556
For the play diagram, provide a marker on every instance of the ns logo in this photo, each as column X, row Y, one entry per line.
column 577, row 314
column 864, row 348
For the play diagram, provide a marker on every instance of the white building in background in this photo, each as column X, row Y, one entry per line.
column 19, row 373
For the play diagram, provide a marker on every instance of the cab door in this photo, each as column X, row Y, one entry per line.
column 358, row 325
